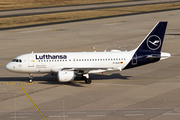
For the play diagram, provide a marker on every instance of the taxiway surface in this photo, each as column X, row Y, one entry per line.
column 149, row 92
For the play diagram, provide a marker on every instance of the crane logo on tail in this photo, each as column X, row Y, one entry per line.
column 153, row 42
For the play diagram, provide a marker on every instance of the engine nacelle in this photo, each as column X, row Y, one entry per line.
column 65, row 76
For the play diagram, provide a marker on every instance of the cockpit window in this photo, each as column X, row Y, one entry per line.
column 17, row 60
column 14, row 60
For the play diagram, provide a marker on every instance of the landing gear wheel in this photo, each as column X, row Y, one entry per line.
column 88, row 81
column 30, row 80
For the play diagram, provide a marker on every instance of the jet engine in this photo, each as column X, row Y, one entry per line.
column 65, row 76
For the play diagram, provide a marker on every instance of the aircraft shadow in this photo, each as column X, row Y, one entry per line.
column 104, row 77
column 48, row 79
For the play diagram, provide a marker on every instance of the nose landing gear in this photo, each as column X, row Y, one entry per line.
column 30, row 78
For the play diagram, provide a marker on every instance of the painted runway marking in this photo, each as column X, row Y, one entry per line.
column 28, row 83
column 96, row 115
column 57, row 116
column 32, row 102
column 132, row 111
column 133, row 114
column 171, row 114
column 14, row 83
column 20, row 117
column 22, row 113
column 10, row 83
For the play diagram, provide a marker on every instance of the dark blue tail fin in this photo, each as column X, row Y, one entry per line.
column 154, row 40
column 149, row 50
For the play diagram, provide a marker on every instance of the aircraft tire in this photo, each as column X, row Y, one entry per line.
column 30, row 80
column 88, row 81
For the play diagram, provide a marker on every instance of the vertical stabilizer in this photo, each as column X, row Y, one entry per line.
column 154, row 40
column 149, row 50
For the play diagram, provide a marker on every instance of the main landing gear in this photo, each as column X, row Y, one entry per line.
column 30, row 78
column 88, row 81
column 86, row 78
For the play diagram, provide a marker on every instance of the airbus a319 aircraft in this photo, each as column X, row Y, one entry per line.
column 69, row 65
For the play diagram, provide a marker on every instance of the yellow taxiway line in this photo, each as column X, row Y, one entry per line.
column 15, row 83
column 32, row 102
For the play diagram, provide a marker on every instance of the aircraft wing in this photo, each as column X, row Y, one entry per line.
column 89, row 69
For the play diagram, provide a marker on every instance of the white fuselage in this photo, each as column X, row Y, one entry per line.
column 53, row 62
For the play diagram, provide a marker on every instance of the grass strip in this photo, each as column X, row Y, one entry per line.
column 78, row 15
column 24, row 4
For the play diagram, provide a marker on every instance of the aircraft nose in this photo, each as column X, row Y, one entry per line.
column 9, row 67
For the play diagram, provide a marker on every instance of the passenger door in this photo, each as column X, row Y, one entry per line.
column 31, row 61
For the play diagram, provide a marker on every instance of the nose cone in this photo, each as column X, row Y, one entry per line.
column 9, row 67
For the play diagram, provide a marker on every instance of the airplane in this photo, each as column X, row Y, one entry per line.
column 69, row 65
